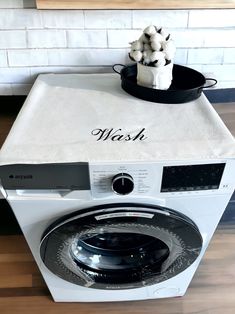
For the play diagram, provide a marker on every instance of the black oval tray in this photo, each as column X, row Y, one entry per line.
column 187, row 85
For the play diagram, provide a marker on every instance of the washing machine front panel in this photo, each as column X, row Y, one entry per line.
column 43, row 216
column 141, row 211
column 120, row 246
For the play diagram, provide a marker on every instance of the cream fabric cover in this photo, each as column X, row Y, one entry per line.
column 58, row 116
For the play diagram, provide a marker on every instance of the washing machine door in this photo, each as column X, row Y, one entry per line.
column 120, row 246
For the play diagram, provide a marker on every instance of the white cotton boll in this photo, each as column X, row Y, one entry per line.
column 156, row 55
column 169, row 49
column 130, row 55
column 143, row 39
column 160, row 63
column 157, row 38
column 137, row 55
column 134, row 54
column 158, row 59
column 147, row 47
column 147, row 57
column 165, row 34
column 156, row 45
column 150, row 30
column 137, row 45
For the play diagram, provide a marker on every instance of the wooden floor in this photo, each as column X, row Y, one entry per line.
column 227, row 114
column 212, row 291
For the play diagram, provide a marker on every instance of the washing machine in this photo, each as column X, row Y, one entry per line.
column 118, row 198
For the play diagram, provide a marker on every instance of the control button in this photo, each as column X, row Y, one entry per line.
column 122, row 184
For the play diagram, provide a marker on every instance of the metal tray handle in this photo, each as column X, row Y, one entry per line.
column 213, row 84
column 117, row 65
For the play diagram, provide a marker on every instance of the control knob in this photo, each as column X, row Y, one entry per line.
column 122, row 183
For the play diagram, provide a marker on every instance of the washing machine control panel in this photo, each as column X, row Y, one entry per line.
column 130, row 179
column 153, row 179
column 134, row 179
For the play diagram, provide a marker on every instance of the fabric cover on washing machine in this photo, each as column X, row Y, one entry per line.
column 89, row 118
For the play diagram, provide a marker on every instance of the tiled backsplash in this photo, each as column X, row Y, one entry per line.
column 69, row 41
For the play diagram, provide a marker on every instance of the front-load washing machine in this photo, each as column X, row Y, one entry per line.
column 117, row 197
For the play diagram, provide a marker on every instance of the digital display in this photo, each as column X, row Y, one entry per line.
column 192, row 177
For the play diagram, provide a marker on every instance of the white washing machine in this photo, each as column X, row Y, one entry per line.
column 117, row 198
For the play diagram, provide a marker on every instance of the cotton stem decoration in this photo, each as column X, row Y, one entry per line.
column 154, row 53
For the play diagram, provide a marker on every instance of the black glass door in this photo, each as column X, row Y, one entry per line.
column 120, row 246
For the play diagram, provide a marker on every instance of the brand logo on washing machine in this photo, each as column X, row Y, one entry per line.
column 21, row 176
column 118, row 135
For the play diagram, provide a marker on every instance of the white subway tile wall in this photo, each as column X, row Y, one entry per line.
column 107, row 19
column 229, row 56
column 224, row 72
column 86, row 41
column 119, row 38
column 35, row 71
column 65, row 19
column 47, row 38
column 211, row 18
column 15, row 75
column 165, row 18
column 27, row 57
column 17, row 4
column 20, row 19
column 86, row 57
column 87, row 38
column 12, row 39
column 181, row 56
column 11, row 4
column 205, row 55
column 3, row 60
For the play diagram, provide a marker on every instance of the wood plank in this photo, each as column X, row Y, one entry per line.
column 21, row 281
column 38, row 281
column 18, row 292
column 227, row 114
column 18, row 268
column 13, row 244
column 134, row 4
column 16, row 257
column 6, row 122
column 198, row 300
column 15, row 281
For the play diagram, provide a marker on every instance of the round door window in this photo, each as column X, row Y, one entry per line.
column 120, row 246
